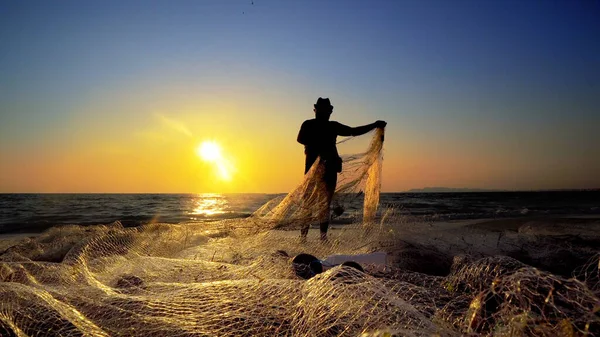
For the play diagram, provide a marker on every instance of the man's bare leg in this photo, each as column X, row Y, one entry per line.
column 304, row 233
column 324, row 226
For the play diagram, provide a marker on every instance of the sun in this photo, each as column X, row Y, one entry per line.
column 211, row 152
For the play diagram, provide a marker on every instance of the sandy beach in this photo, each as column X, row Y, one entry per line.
column 440, row 278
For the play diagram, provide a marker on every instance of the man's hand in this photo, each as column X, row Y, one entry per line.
column 380, row 124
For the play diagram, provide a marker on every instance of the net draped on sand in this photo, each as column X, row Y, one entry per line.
column 234, row 278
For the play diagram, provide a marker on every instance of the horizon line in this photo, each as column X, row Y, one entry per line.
column 415, row 190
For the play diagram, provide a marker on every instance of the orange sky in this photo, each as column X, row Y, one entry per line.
column 123, row 142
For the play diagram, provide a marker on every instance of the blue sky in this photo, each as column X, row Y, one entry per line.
column 509, row 90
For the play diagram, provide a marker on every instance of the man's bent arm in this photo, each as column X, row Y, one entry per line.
column 302, row 135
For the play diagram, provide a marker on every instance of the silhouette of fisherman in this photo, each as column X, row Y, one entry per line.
column 318, row 136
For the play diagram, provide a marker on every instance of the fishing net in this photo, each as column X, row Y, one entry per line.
column 234, row 277
column 358, row 184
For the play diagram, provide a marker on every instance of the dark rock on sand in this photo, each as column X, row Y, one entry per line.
column 420, row 258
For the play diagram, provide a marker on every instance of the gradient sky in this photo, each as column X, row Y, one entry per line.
column 115, row 96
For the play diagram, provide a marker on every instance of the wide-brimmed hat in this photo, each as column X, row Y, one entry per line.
column 323, row 103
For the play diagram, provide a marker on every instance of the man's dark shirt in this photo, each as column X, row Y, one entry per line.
column 319, row 138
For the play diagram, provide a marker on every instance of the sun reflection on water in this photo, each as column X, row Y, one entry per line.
column 209, row 204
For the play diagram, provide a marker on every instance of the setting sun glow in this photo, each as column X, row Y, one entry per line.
column 211, row 152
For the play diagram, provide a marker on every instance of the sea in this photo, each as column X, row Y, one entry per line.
column 26, row 213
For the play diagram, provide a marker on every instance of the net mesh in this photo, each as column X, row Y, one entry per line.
column 234, row 277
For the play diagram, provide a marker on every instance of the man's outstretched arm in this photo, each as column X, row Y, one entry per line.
column 359, row 130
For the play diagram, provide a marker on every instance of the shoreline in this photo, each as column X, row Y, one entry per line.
column 552, row 243
column 32, row 229
column 491, row 224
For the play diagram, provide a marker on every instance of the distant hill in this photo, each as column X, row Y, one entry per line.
column 463, row 190
column 449, row 189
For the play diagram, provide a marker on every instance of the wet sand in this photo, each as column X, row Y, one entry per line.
column 556, row 244
column 559, row 224
column 8, row 240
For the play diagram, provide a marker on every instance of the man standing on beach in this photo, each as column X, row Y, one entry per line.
column 319, row 136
